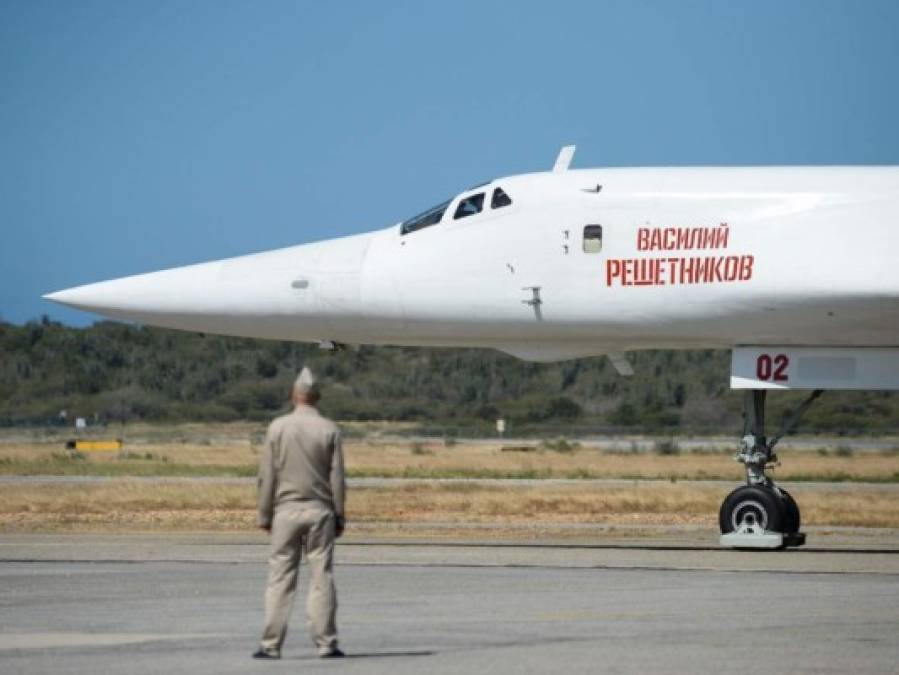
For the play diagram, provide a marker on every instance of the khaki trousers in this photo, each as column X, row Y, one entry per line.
column 299, row 526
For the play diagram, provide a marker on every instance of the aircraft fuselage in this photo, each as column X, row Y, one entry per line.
column 579, row 263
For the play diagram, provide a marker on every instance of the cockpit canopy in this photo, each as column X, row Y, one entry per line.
column 425, row 219
column 469, row 205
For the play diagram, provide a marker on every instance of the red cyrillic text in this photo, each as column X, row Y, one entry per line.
column 679, row 271
column 682, row 238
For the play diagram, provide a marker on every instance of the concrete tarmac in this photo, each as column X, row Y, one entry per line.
column 672, row 604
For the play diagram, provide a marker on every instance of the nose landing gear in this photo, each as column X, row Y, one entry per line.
column 760, row 514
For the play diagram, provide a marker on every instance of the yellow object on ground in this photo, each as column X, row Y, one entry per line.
column 95, row 446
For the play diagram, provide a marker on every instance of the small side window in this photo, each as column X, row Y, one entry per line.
column 499, row 199
column 592, row 238
column 469, row 206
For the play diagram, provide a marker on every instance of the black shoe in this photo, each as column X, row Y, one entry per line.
column 333, row 653
column 263, row 653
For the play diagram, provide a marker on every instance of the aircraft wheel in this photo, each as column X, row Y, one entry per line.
column 754, row 507
column 792, row 520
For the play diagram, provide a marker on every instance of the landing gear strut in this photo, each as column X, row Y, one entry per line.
column 760, row 514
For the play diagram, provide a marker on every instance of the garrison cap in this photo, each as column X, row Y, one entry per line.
column 306, row 382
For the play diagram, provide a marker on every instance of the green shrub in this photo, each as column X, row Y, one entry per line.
column 560, row 444
column 845, row 451
column 419, row 449
column 666, row 447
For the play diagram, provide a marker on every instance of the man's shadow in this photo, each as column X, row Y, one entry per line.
column 368, row 655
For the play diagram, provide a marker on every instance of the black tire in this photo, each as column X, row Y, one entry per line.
column 792, row 520
column 754, row 504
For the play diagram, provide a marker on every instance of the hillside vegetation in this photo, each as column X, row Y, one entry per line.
column 117, row 372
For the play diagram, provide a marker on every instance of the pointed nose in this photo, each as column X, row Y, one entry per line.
column 283, row 294
column 173, row 291
column 263, row 295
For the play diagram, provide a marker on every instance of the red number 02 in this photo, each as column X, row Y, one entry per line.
column 769, row 367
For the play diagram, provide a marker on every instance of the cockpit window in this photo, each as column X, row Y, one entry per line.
column 499, row 199
column 469, row 206
column 430, row 217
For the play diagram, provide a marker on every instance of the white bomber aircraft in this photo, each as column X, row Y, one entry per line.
column 795, row 269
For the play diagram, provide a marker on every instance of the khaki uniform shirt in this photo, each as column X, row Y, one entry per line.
column 302, row 461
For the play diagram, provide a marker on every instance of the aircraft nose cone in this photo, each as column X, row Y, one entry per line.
column 61, row 297
column 167, row 291
column 252, row 296
column 90, row 297
column 297, row 293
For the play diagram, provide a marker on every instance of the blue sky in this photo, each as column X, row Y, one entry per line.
column 137, row 136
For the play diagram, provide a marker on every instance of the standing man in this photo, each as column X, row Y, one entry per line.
column 300, row 502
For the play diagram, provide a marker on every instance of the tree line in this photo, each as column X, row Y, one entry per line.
column 111, row 372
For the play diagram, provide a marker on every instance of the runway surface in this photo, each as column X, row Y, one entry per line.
column 672, row 604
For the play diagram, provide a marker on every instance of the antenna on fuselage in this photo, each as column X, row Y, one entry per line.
column 566, row 154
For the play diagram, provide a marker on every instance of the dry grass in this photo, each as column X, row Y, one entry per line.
column 130, row 506
column 373, row 458
column 123, row 505
column 636, row 504
column 190, row 454
column 486, row 460
column 126, row 505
